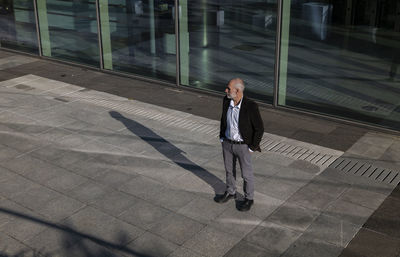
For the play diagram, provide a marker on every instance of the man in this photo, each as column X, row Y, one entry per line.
column 241, row 131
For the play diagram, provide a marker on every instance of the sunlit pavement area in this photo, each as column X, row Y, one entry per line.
column 93, row 164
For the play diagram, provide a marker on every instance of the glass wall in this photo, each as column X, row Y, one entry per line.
column 18, row 25
column 338, row 58
column 68, row 30
column 341, row 58
column 220, row 40
column 139, row 37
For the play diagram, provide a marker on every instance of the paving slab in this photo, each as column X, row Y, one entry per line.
column 60, row 208
column 18, row 80
column 184, row 252
column 36, row 197
column 12, row 247
column 311, row 247
column 13, row 122
column 236, row 223
column 142, row 187
column 53, row 134
column 149, row 244
column 89, row 192
column 6, row 174
column 99, row 225
column 203, row 210
column 97, row 133
column 350, row 212
column 86, row 247
column 9, row 211
column 366, row 150
column 370, row 243
column 23, row 229
column 33, row 168
column 293, row 216
column 143, row 214
column 162, row 171
column 363, row 197
column 386, row 220
column 177, row 228
column 308, row 198
column 17, row 185
column 211, row 242
column 115, row 203
column 264, row 205
column 244, row 248
column 63, row 158
column 205, row 183
column 332, row 230
column 7, row 153
column 272, row 237
column 274, row 187
column 172, row 199
column 66, row 182
column 114, row 178
column 51, row 240
column 89, row 168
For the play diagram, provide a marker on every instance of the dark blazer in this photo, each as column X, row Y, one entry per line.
column 251, row 126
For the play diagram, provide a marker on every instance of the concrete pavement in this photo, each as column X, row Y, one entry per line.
column 90, row 173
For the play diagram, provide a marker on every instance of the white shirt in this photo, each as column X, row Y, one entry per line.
column 232, row 122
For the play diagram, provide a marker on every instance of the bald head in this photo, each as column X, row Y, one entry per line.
column 237, row 83
column 235, row 89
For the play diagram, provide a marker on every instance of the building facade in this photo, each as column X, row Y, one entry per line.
column 335, row 58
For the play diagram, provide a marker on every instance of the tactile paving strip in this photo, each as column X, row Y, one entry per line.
column 366, row 170
column 298, row 152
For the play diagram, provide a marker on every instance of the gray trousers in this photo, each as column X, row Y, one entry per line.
column 232, row 153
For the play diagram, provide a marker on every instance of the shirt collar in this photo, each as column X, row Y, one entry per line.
column 232, row 104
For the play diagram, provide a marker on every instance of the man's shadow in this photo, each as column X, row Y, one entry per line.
column 170, row 151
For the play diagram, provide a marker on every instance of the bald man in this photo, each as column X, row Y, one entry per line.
column 241, row 131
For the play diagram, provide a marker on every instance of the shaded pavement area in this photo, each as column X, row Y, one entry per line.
column 93, row 164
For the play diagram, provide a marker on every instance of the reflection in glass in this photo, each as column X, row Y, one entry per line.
column 68, row 30
column 139, row 37
column 341, row 58
column 220, row 40
column 18, row 25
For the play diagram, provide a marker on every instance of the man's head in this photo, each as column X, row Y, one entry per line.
column 235, row 89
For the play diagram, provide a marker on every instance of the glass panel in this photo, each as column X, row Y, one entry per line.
column 221, row 40
column 139, row 37
column 18, row 25
column 68, row 30
column 341, row 58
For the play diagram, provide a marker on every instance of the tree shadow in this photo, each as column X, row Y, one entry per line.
column 74, row 243
column 170, row 151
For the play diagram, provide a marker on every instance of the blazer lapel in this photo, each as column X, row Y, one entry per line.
column 243, row 111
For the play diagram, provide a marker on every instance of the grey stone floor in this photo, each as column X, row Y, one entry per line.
column 87, row 173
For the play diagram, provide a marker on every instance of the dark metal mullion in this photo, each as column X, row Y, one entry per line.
column 177, row 45
column 277, row 51
column 99, row 36
column 36, row 13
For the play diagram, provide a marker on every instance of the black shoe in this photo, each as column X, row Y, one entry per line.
column 223, row 198
column 246, row 205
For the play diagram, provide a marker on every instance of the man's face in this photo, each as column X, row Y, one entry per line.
column 231, row 91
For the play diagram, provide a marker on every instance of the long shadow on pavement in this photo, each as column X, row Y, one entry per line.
column 170, row 151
